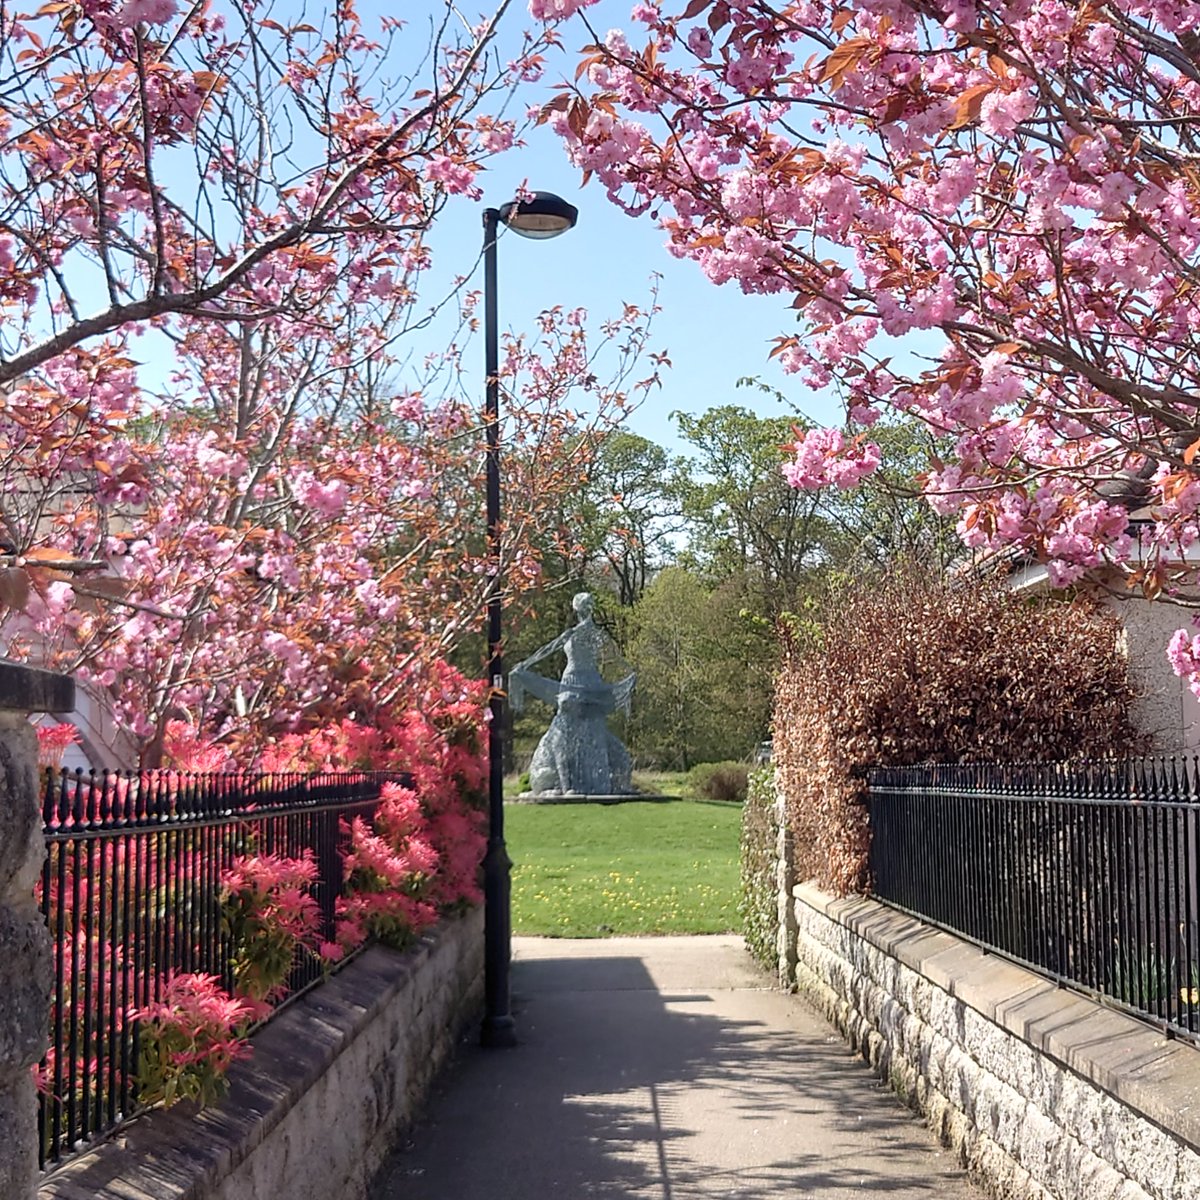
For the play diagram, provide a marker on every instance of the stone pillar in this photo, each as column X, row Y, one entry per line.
column 25, row 967
column 785, row 881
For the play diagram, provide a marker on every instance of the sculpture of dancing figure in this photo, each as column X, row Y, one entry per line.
column 577, row 756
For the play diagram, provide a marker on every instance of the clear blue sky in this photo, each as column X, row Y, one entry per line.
column 714, row 336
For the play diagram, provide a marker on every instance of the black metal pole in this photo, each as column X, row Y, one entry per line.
column 498, row 1029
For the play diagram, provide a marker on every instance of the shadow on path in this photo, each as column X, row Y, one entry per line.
column 636, row 1079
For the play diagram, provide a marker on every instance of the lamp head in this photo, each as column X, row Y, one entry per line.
column 543, row 215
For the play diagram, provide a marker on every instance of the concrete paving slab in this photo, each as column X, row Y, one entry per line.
column 663, row 1068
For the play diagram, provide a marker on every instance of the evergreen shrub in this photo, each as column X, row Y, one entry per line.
column 719, row 781
column 758, row 903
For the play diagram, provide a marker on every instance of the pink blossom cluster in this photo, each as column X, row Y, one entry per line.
column 187, row 748
column 152, row 12
column 556, row 10
column 420, row 856
column 826, row 456
column 270, row 914
column 1183, row 653
column 387, row 878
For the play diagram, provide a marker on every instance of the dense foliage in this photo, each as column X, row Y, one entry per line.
column 759, row 903
column 694, row 557
column 907, row 669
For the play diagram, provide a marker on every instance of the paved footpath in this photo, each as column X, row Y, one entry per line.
column 663, row 1068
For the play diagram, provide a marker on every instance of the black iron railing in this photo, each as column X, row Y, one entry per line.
column 131, row 891
column 1089, row 874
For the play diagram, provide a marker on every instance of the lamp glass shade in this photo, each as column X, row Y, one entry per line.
column 543, row 215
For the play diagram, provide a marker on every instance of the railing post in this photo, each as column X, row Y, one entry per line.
column 24, row 940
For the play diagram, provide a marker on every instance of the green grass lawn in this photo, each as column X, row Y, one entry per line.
column 596, row 870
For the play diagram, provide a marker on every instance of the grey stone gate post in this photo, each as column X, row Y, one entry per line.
column 24, row 941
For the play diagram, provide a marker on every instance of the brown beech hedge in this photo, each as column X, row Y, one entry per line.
column 908, row 669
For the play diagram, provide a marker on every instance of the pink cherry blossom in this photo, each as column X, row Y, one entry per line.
column 556, row 10
column 152, row 12
column 962, row 248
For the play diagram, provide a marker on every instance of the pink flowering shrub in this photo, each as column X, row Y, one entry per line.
column 86, row 956
column 82, row 895
column 53, row 741
column 269, row 913
column 414, row 859
column 110, row 904
column 389, row 875
column 187, row 749
column 420, row 858
column 189, row 1040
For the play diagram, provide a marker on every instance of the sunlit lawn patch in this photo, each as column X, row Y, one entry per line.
column 591, row 870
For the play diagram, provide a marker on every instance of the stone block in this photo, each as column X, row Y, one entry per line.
column 18, row 1150
column 24, row 941
column 25, row 981
column 31, row 690
column 22, row 849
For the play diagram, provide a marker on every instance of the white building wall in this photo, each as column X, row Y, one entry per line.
column 101, row 744
column 1165, row 708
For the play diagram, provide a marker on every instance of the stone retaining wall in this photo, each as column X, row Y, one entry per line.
column 1044, row 1094
column 313, row 1112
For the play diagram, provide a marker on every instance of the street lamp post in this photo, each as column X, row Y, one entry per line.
column 542, row 215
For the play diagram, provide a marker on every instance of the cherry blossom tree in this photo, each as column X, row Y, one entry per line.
column 986, row 215
column 163, row 159
column 306, row 562
column 275, row 531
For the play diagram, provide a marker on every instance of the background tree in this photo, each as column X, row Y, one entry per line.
column 670, row 648
column 745, row 521
column 631, row 512
column 746, row 551
column 705, row 672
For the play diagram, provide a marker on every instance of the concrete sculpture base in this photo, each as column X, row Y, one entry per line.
column 620, row 798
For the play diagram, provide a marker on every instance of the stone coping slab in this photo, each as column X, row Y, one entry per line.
column 1159, row 1077
column 183, row 1153
column 30, row 689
